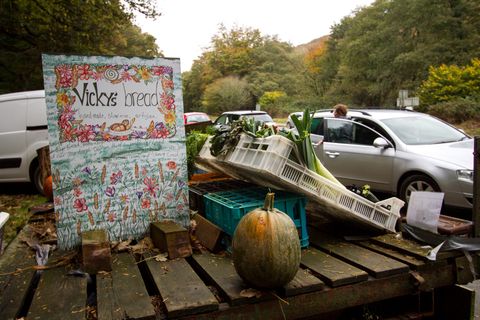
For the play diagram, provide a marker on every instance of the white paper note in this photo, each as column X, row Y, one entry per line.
column 424, row 210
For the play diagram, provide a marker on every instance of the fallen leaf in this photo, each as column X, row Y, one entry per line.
column 250, row 293
column 162, row 257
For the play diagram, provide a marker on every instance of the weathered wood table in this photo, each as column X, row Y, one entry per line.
column 336, row 276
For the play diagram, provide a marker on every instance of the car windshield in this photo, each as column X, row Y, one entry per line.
column 259, row 117
column 423, row 130
column 197, row 118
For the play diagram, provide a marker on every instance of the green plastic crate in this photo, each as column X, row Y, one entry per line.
column 225, row 209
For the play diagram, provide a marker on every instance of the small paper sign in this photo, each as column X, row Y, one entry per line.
column 424, row 210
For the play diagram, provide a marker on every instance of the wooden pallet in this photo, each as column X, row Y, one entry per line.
column 335, row 274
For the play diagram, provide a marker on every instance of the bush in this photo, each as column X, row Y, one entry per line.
column 456, row 111
column 449, row 82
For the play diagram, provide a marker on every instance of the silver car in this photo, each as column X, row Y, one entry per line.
column 396, row 152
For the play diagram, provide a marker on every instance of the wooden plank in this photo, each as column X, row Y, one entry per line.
column 413, row 262
column 182, row 290
column 14, row 286
column 411, row 247
column 303, row 282
column 375, row 264
column 59, row 296
column 315, row 305
column 220, row 270
column 128, row 289
column 108, row 307
column 332, row 270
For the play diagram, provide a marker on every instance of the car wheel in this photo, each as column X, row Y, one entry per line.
column 36, row 177
column 417, row 182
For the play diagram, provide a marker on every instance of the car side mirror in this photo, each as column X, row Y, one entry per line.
column 381, row 143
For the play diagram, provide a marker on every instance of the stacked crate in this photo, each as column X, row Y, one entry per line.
column 226, row 208
column 198, row 190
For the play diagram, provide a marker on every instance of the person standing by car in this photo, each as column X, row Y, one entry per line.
column 340, row 110
column 342, row 133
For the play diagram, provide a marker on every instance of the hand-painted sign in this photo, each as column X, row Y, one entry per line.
column 117, row 144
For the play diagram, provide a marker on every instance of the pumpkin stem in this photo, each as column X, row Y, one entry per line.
column 269, row 199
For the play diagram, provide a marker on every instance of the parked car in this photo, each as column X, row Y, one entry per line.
column 196, row 121
column 397, row 152
column 289, row 124
column 23, row 131
column 228, row 117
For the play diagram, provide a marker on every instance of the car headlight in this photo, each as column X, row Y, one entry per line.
column 466, row 175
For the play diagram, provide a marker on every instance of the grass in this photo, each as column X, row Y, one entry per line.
column 471, row 127
column 16, row 200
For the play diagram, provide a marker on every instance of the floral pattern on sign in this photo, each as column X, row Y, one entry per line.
column 101, row 198
column 72, row 128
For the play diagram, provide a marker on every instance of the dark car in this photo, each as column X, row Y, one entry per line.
column 228, row 117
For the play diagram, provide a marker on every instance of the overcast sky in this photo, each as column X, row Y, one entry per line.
column 185, row 28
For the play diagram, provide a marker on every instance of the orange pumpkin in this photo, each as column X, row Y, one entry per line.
column 266, row 247
column 47, row 188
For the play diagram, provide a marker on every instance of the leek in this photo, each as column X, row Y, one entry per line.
column 303, row 142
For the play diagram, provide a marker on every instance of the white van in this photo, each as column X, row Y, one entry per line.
column 23, row 130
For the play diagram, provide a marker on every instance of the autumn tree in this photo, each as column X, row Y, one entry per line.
column 263, row 62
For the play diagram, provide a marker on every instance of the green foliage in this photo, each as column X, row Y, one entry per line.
column 226, row 94
column 273, row 101
column 265, row 63
column 227, row 136
column 195, row 141
column 30, row 28
column 271, row 97
column 457, row 110
column 449, row 82
column 390, row 45
column 233, row 50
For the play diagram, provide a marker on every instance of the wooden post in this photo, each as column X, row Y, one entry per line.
column 476, row 186
column 96, row 251
column 44, row 162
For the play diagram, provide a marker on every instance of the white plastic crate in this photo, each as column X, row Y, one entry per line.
column 207, row 162
column 272, row 162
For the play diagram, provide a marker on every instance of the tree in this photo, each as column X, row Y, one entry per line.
column 227, row 94
column 233, row 50
column 29, row 28
column 264, row 62
column 391, row 44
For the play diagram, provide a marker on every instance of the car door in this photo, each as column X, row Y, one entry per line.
column 349, row 153
column 12, row 137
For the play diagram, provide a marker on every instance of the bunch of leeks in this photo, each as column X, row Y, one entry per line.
column 302, row 140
